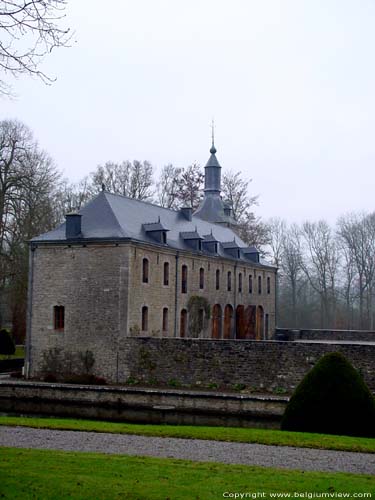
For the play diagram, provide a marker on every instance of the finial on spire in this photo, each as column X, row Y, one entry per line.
column 213, row 149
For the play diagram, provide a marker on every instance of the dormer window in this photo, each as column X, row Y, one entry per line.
column 192, row 239
column 156, row 231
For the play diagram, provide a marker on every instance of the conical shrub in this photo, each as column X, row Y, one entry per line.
column 332, row 399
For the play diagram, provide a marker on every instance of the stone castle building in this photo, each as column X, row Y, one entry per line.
column 125, row 268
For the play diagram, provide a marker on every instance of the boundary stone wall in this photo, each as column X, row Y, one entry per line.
column 272, row 366
column 313, row 334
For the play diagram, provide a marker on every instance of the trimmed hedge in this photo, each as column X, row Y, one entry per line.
column 331, row 399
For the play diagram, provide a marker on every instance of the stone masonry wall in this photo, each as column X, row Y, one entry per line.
column 156, row 296
column 347, row 335
column 260, row 366
column 91, row 283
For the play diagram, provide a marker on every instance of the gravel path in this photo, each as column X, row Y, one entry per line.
column 190, row 449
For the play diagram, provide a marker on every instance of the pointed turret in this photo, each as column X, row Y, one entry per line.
column 212, row 207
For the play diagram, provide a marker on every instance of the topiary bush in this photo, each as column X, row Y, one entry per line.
column 7, row 345
column 331, row 399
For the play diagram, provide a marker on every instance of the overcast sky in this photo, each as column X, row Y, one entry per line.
column 290, row 84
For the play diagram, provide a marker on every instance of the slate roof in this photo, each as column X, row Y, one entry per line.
column 115, row 217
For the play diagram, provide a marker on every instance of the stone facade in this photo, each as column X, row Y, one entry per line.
column 101, row 288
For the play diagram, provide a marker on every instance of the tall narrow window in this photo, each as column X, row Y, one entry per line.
column 217, row 279
column 229, row 281
column 201, row 319
column 266, row 326
column 250, row 284
column 184, row 274
column 183, row 323
column 165, row 319
column 268, row 285
column 259, row 285
column 166, row 274
column 144, row 318
column 145, row 270
column 201, row 278
column 59, row 317
column 240, row 283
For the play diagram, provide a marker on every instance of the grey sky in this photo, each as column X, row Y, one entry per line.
column 289, row 83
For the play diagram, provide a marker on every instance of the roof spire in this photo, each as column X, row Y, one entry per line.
column 213, row 149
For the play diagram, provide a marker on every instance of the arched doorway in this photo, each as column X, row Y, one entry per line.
column 250, row 322
column 228, row 321
column 216, row 321
column 183, row 323
column 260, row 323
column 240, row 322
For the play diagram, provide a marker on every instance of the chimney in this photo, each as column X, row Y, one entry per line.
column 187, row 212
column 73, row 226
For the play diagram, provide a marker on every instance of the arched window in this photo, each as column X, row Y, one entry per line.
column 144, row 318
column 259, row 285
column 217, row 279
column 183, row 323
column 229, row 281
column 165, row 319
column 59, row 317
column 145, row 270
column 166, row 274
column 268, row 285
column 250, row 284
column 184, row 274
column 240, row 283
column 201, row 278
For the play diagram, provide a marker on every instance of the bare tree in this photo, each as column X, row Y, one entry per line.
column 277, row 230
column 29, row 30
column 27, row 181
column 168, row 186
column 357, row 233
column 291, row 266
column 191, row 186
column 320, row 266
column 132, row 179
column 236, row 193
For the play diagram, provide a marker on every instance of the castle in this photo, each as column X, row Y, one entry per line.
column 125, row 268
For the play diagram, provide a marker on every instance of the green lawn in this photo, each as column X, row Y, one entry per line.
column 55, row 475
column 262, row 436
column 20, row 353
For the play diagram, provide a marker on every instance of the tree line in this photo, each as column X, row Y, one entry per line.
column 326, row 275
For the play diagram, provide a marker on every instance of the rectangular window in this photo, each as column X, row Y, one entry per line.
column 59, row 317
column 268, row 285
column 217, row 279
column 240, row 283
column 250, row 284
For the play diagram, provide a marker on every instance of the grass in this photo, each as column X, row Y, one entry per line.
column 55, row 474
column 245, row 435
column 20, row 353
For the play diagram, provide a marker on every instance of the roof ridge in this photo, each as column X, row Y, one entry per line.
column 112, row 212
